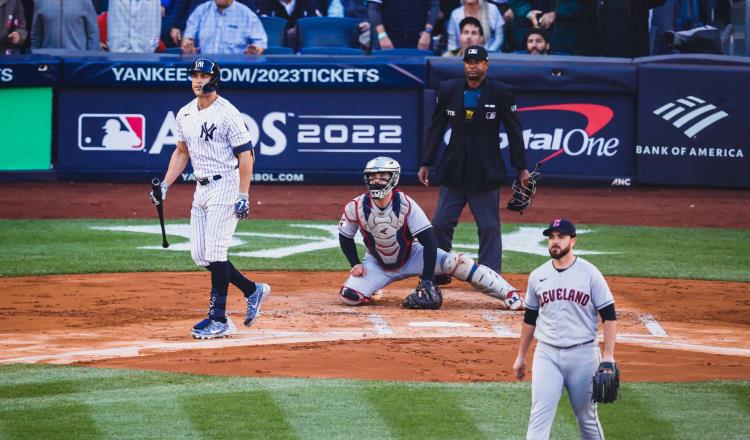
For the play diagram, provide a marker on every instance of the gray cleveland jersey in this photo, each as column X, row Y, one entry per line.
column 388, row 233
column 210, row 135
column 567, row 302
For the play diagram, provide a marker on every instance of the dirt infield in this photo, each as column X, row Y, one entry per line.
column 669, row 329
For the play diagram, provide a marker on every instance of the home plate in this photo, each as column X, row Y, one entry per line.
column 438, row 324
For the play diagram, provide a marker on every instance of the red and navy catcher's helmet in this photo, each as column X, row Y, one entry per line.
column 204, row 65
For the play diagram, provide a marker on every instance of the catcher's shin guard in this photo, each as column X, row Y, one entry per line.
column 481, row 278
column 351, row 297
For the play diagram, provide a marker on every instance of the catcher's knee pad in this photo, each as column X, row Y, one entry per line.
column 481, row 277
column 457, row 265
column 351, row 297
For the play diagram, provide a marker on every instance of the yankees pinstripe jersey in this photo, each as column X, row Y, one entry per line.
column 388, row 233
column 567, row 301
column 210, row 135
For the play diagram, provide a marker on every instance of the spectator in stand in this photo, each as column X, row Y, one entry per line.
column 620, row 28
column 537, row 42
column 224, row 27
column 562, row 19
column 133, row 27
column 291, row 11
column 356, row 9
column 471, row 35
column 488, row 15
column 12, row 27
column 401, row 23
column 65, row 24
column 179, row 12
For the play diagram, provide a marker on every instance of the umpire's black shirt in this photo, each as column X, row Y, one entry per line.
column 472, row 161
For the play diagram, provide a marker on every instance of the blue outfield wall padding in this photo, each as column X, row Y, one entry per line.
column 547, row 73
column 674, row 120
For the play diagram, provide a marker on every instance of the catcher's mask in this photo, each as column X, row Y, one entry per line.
column 204, row 65
column 382, row 164
column 522, row 197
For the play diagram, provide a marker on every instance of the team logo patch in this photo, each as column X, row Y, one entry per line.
column 469, row 114
column 208, row 132
column 111, row 132
column 491, row 115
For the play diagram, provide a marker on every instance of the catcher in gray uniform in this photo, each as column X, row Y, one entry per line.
column 389, row 222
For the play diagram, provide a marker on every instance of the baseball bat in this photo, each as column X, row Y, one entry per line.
column 156, row 188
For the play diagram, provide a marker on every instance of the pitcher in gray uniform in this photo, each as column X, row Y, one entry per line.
column 389, row 222
column 563, row 299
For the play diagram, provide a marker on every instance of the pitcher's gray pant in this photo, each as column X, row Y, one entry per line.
column 571, row 368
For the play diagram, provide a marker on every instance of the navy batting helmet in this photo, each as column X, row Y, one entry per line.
column 204, row 65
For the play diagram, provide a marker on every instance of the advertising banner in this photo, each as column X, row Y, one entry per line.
column 29, row 70
column 280, row 73
column 315, row 135
column 591, row 138
column 26, row 124
column 693, row 131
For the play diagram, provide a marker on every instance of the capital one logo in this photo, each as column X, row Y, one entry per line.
column 111, row 132
column 692, row 113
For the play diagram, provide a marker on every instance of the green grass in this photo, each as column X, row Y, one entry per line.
column 38, row 401
column 36, row 247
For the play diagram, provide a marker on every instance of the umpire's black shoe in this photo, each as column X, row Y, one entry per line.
column 442, row 280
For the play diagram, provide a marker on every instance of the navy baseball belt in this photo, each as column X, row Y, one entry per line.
column 206, row 180
column 570, row 346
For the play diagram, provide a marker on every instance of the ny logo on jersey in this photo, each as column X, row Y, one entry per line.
column 208, row 132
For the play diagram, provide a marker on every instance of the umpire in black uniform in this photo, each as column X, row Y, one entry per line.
column 472, row 169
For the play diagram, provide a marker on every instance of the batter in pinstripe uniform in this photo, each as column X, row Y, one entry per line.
column 563, row 299
column 212, row 135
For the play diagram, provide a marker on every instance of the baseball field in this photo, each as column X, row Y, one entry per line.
column 96, row 319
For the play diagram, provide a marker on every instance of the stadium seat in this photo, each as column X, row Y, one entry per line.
column 328, row 32
column 274, row 27
column 404, row 52
column 278, row 50
column 173, row 50
column 331, row 51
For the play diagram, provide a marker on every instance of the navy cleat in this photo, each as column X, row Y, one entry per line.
column 262, row 290
column 210, row 329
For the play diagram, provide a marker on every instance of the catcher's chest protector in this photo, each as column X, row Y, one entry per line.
column 385, row 232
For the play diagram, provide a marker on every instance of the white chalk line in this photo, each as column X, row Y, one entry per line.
column 658, row 339
column 380, row 324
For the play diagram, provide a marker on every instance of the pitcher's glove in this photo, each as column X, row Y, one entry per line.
column 426, row 296
column 606, row 383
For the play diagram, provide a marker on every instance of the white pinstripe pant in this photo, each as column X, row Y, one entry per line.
column 212, row 219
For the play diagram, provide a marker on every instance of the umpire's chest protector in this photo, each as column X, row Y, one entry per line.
column 472, row 160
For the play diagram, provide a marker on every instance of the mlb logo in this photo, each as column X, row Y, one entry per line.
column 473, row 51
column 111, row 132
column 491, row 115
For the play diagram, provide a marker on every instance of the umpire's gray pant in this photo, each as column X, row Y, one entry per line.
column 485, row 206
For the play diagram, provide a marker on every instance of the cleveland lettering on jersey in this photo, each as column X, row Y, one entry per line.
column 573, row 295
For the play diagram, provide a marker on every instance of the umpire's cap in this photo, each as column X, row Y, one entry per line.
column 561, row 225
column 204, row 65
column 476, row 53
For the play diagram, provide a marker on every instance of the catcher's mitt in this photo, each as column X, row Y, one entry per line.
column 606, row 383
column 426, row 296
column 522, row 196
